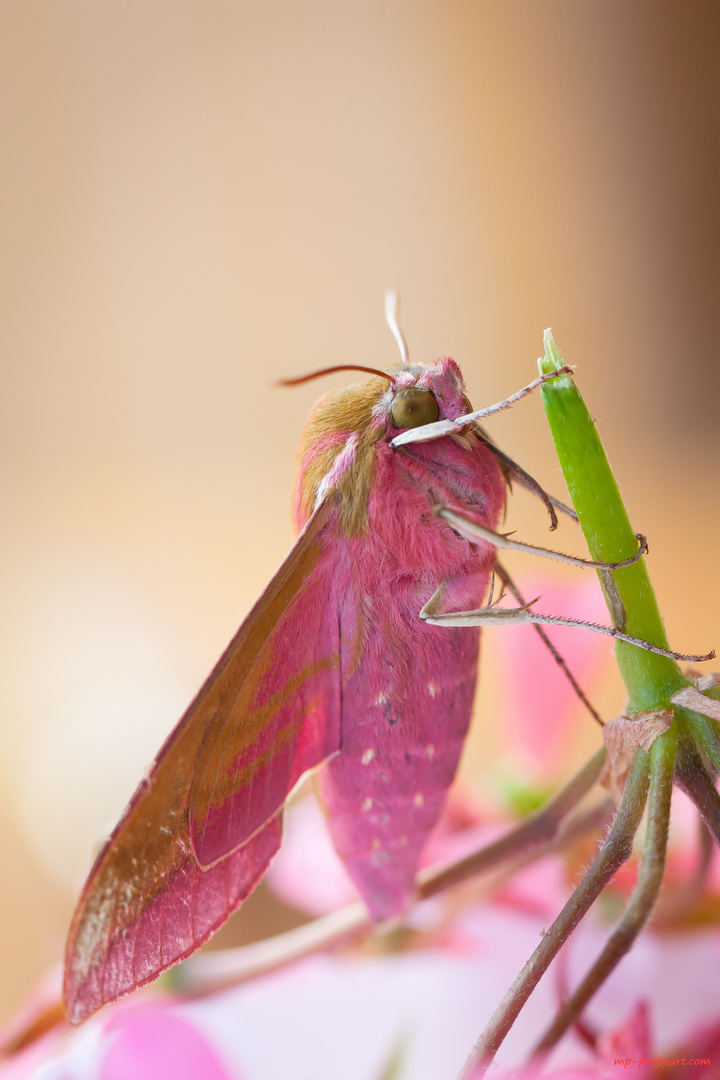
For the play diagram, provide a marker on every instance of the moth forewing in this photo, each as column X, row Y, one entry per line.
column 150, row 899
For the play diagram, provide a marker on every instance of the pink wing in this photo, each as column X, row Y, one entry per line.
column 202, row 828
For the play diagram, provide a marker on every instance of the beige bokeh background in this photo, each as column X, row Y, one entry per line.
column 200, row 197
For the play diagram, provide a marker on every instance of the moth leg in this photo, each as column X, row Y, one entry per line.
column 435, row 602
column 473, row 531
column 426, row 432
column 497, row 616
column 614, row 852
column 511, row 469
column 639, row 906
column 559, row 660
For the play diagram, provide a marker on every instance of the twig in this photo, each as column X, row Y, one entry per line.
column 644, row 895
column 541, row 827
column 705, row 731
column 680, row 903
column 615, row 851
column 693, row 778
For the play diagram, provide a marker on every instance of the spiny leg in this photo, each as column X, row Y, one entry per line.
column 512, row 470
column 495, row 616
column 449, row 427
column 644, row 895
column 559, row 660
column 614, row 852
column 472, row 530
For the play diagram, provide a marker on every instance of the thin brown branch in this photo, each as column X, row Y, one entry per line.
column 642, row 900
column 679, row 903
column 694, row 779
column 613, row 854
column 538, row 829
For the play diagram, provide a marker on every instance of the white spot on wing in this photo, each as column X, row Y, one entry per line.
column 368, row 755
column 432, row 689
column 367, row 805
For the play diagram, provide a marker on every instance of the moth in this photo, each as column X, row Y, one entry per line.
column 332, row 670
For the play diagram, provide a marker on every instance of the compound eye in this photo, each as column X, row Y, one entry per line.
column 414, row 407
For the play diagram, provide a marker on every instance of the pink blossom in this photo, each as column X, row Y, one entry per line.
column 156, row 1043
column 536, row 702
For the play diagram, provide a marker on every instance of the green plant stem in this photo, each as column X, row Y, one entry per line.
column 650, row 680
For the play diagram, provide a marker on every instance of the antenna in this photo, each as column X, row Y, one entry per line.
column 332, row 370
column 392, row 306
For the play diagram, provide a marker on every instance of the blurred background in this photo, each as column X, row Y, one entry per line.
column 200, row 197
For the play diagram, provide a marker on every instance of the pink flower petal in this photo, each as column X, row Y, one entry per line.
column 538, row 704
column 307, row 872
column 630, row 1041
column 155, row 1044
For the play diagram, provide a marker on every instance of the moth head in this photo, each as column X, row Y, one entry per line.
column 421, row 394
column 410, row 396
column 347, row 427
